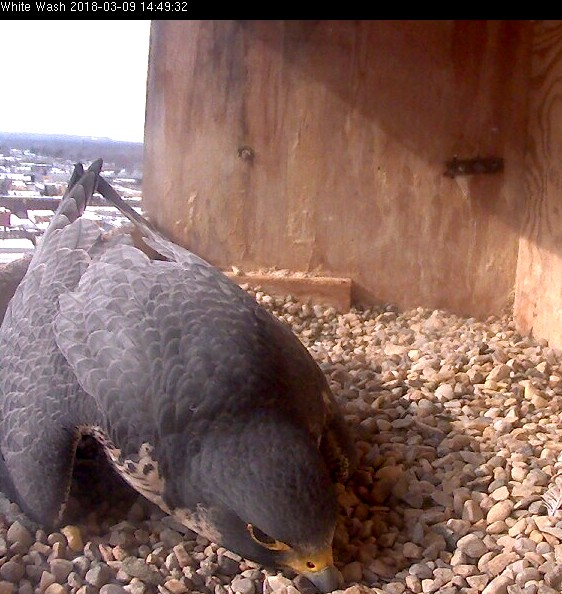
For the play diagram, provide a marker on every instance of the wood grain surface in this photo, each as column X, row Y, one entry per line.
column 319, row 146
column 538, row 295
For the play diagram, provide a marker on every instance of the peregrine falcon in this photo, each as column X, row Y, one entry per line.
column 202, row 400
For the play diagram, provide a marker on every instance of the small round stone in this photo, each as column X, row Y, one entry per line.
column 56, row 589
column 12, row 571
column 112, row 589
column 142, row 570
column 73, row 538
column 46, row 580
column 175, row 587
column 242, row 585
column 352, row 572
column 472, row 545
column 227, row 565
column 498, row 585
column 553, row 577
column 499, row 511
column 18, row 533
column 99, row 575
column 61, row 568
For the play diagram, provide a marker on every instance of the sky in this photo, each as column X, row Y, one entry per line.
column 86, row 78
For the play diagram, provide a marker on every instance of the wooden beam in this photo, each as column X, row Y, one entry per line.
column 538, row 289
column 328, row 291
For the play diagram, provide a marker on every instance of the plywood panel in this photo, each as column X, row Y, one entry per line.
column 538, row 298
column 318, row 146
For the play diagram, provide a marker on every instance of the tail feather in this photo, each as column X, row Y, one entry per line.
column 80, row 188
column 109, row 193
column 151, row 236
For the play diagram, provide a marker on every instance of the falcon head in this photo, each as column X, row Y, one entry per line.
column 258, row 486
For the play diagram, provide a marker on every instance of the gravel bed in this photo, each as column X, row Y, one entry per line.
column 458, row 428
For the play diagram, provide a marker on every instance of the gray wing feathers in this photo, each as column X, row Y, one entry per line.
column 99, row 327
column 55, row 271
column 38, row 410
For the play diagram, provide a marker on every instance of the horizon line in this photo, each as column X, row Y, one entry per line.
column 87, row 136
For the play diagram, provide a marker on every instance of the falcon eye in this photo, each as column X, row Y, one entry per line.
column 266, row 541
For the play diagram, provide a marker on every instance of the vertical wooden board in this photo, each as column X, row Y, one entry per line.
column 538, row 295
column 349, row 124
column 193, row 123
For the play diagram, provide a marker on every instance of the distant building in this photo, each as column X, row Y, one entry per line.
column 5, row 217
column 16, row 177
column 57, row 175
column 53, row 189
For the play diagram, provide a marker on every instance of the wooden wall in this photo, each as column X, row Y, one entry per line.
column 538, row 298
column 319, row 146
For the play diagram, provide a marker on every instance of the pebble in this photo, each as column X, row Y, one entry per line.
column 412, row 551
column 140, row 569
column 302, row 584
column 421, row 570
column 497, row 564
column 277, row 582
column 61, row 568
column 528, row 574
column 553, row 577
column 99, row 575
column 136, row 587
column 353, row 572
column 498, row 527
column 242, row 585
column 12, row 571
column 175, row 586
column 478, row 581
column 499, row 373
column 227, row 565
column 499, row 585
column 182, row 555
column 114, row 589
column 18, row 533
column 472, row 511
column 56, row 589
column 46, row 580
column 499, row 511
column 73, row 538
column 500, row 494
column 472, row 545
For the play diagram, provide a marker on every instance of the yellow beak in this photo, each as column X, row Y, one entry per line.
column 319, row 568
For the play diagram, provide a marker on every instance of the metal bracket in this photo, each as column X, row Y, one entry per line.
column 475, row 166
